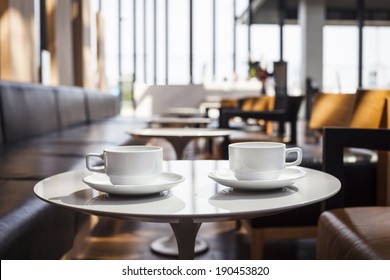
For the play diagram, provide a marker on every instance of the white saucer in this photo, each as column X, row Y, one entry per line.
column 288, row 177
column 164, row 182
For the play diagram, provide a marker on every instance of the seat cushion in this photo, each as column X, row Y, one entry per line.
column 260, row 103
column 354, row 233
column 369, row 103
column 331, row 110
column 35, row 166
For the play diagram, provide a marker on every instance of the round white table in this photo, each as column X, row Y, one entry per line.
column 179, row 122
column 186, row 206
column 180, row 137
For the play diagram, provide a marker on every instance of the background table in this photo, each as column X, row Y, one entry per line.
column 180, row 137
column 185, row 207
column 180, row 122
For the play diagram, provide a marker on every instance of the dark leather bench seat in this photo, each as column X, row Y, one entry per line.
column 31, row 228
column 45, row 131
column 80, row 139
column 33, row 166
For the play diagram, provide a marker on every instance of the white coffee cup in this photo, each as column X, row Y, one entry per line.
column 129, row 165
column 260, row 160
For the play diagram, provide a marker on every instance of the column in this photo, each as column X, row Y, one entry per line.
column 311, row 18
column 82, row 55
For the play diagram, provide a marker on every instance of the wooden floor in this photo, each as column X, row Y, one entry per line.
column 118, row 239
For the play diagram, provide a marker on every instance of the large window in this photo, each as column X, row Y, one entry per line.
column 173, row 65
column 162, row 46
column 341, row 58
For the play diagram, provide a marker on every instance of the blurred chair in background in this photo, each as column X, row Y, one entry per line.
column 263, row 112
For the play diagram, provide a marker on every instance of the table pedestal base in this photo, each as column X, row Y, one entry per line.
column 167, row 246
column 184, row 243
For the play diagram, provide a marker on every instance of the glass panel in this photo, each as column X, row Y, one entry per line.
column 242, row 42
column 265, row 44
column 179, row 42
column 140, row 41
column 376, row 57
column 202, row 40
column 160, row 37
column 340, row 59
column 127, row 40
column 224, row 40
column 110, row 14
column 149, row 42
column 292, row 55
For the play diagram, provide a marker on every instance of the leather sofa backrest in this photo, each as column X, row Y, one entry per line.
column 27, row 110
column 71, row 106
column 101, row 105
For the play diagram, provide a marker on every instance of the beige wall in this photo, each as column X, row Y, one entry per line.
column 18, row 41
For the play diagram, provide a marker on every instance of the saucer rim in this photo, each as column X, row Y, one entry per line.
column 258, row 184
column 129, row 189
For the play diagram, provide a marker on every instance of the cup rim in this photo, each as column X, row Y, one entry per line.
column 133, row 149
column 257, row 144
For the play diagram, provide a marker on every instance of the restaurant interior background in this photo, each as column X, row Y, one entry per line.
column 155, row 53
column 129, row 45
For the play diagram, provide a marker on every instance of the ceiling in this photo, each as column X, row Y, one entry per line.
column 340, row 12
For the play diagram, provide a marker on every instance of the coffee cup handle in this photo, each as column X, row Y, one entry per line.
column 299, row 156
column 100, row 169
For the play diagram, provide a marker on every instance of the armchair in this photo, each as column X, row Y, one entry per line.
column 355, row 232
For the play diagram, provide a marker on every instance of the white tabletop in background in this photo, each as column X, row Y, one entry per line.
column 178, row 120
column 180, row 132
